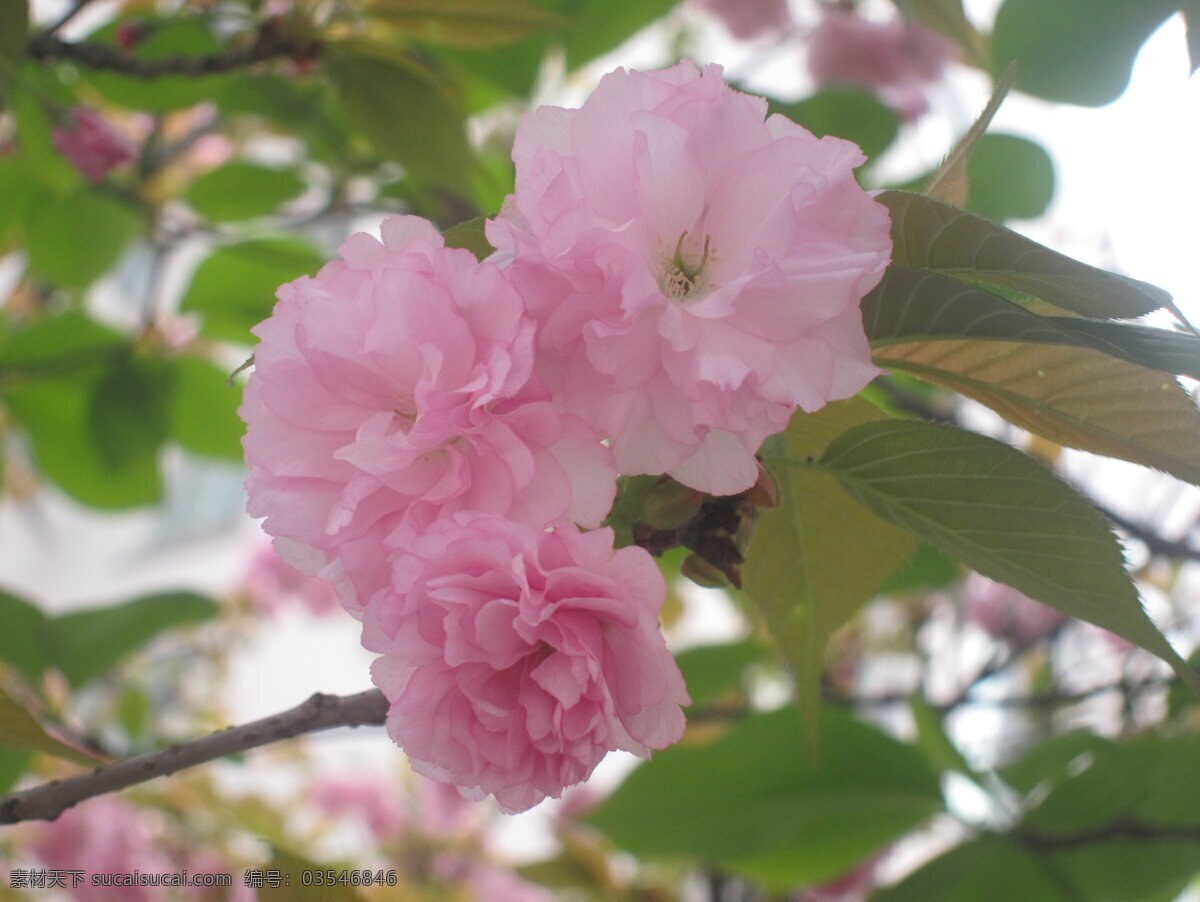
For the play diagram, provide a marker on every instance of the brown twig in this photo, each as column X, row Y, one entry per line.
column 319, row 712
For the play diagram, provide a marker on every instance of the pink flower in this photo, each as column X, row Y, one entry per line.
column 898, row 59
column 397, row 384
column 92, row 145
column 695, row 270
column 375, row 802
column 1004, row 613
column 748, row 19
column 514, row 659
column 104, row 836
column 274, row 585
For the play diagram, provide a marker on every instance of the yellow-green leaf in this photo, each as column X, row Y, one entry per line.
column 1078, row 397
column 819, row 557
column 407, row 111
column 21, row 730
column 465, row 23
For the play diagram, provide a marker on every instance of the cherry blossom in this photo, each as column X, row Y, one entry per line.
column 398, row 384
column 694, row 266
column 91, row 144
column 514, row 659
column 898, row 59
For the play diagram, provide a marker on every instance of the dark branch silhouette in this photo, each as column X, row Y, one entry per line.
column 319, row 712
column 268, row 44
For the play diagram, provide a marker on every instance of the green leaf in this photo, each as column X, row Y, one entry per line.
column 711, row 671
column 242, row 191
column 1011, row 178
column 14, row 30
column 1127, row 825
column 799, row 571
column 950, row 182
column 70, row 342
column 470, row 234
column 127, row 414
column 927, row 568
column 22, row 641
column 1073, row 396
column 932, row 739
column 58, row 415
column 987, row 869
column 1002, row 514
column 805, row 570
column 306, row 108
column 753, row 802
column 930, row 234
column 75, row 239
column 234, row 288
column 1052, row 760
column 1149, row 780
column 406, row 111
column 465, row 23
column 13, row 762
column 1131, row 868
column 19, row 729
column 847, row 113
column 601, row 25
column 1074, row 51
column 86, row 644
column 174, row 36
column 24, row 192
column 203, row 413
column 918, row 304
column 513, row 68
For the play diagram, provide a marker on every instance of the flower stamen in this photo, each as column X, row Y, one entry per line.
column 680, row 278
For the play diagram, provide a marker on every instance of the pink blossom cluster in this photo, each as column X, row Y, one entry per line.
column 898, row 59
column 106, row 836
column 439, row 437
column 273, row 586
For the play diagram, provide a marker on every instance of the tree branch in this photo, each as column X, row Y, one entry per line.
column 268, row 44
column 319, row 712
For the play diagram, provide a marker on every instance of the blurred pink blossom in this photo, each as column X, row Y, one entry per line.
column 106, row 835
column 514, row 659
column 275, row 585
column 695, row 270
column 92, row 145
column 397, row 386
column 748, row 19
column 898, row 59
column 103, row 836
column 1005, row 613
column 210, row 151
column 373, row 802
